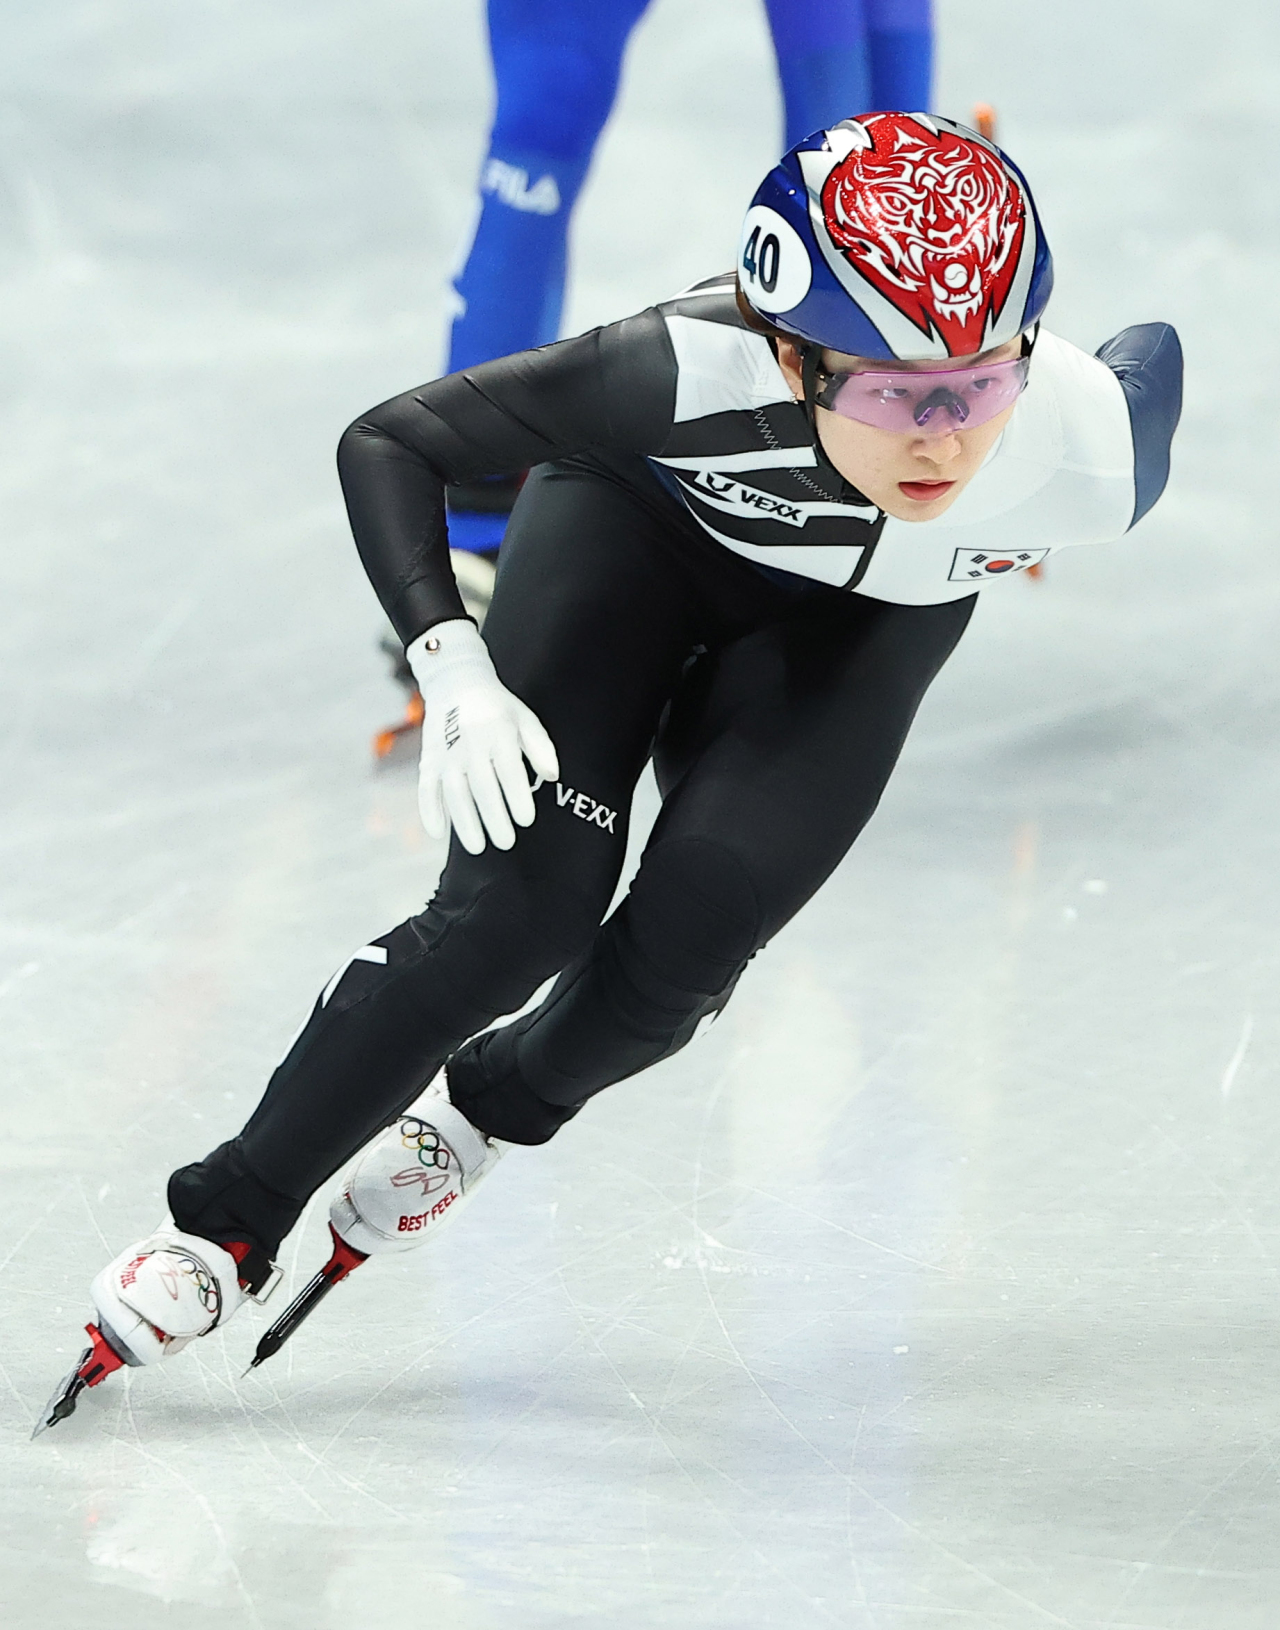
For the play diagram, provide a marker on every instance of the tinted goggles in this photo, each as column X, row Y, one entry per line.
column 930, row 402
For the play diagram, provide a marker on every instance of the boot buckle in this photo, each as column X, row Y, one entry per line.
column 267, row 1289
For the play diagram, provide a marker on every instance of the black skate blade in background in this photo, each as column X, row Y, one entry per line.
column 65, row 1394
column 344, row 1258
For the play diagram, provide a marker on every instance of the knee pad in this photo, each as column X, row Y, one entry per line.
column 689, row 924
column 670, row 955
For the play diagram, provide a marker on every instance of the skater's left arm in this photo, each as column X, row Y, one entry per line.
column 1147, row 360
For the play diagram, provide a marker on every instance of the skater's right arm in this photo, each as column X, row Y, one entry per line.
column 612, row 388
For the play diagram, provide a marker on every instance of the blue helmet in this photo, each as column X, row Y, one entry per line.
column 896, row 235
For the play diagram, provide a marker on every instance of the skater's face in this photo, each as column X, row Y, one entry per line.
column 912, row 476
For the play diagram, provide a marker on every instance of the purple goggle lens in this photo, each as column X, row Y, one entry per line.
column 931, row 402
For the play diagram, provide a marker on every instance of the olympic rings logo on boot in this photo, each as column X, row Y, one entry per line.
column 205, row 1287
column 430, row 1147
column 433, row 1153
column 408, row 1183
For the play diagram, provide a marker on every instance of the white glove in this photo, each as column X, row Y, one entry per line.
column 475, row 737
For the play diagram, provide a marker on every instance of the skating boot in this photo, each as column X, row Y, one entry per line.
column 401, row 1192
column 149, row 1304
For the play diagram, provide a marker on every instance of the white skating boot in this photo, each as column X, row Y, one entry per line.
column 153, row 1300
column 400, row 1193
column 405, row 1187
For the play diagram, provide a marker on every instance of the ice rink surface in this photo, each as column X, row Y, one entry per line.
column 938, row 1286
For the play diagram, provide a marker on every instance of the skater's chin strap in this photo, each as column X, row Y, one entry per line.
column 810, row 368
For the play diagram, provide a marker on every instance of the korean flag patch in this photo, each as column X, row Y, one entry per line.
column 973, row 565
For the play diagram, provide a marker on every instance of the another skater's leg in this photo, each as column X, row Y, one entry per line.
column 900, row 47
column 556, row 65
column 773, row 761
column 839, row 58
column 823, row 65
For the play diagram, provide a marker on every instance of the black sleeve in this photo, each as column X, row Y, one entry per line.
column 613, row 388
column 1147, row 360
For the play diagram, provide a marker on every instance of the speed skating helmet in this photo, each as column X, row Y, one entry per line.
column 896, row 235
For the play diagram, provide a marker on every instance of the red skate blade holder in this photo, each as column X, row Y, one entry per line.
column 95, row 1364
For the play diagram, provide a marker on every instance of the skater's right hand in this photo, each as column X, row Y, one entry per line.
column 475, row 738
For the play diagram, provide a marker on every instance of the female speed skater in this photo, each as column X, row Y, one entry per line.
column 556, row 65
column 758, row 521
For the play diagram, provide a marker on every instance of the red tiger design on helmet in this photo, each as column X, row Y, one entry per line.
column 933, row 221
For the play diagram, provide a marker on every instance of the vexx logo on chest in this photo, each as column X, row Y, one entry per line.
column 727, row 493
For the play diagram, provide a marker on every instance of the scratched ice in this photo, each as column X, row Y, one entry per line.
column 936, row 1287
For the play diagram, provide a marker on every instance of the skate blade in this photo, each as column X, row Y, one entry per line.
column 65, row 1396
column 343, row 1261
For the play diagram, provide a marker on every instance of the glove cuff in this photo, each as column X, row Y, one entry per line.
column 448, row 647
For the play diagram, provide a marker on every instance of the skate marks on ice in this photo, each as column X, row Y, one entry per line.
column 660, row 1325
column 859, row 1497
column 664, row 1317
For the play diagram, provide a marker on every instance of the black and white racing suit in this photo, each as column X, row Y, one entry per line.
column 684, row 577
